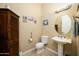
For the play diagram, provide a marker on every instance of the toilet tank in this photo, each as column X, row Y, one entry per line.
column 44, row 39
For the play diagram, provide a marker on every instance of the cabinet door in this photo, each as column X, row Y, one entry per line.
column 3, row 34
column 14, row 35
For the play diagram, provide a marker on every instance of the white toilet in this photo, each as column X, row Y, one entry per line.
column 40, row 45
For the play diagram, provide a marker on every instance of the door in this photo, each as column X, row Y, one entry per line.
column 3, row 34
column 14, row 35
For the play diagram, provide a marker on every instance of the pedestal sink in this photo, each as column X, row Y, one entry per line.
column 61, row 41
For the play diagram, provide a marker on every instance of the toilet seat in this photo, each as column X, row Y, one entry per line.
column 39, row 45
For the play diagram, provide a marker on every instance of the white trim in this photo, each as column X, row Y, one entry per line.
column 27, row 51
column 20, row 53
column 53, row 51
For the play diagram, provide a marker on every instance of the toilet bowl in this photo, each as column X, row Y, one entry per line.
column 40, row 45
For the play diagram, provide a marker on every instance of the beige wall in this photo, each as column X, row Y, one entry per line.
column 26, row 28
column 48, row 11
column 38, row 10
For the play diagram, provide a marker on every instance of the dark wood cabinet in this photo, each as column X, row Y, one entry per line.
column 9, row 33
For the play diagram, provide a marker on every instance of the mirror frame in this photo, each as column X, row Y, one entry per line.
column 59, row 30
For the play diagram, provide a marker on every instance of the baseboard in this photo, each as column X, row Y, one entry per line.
column 24, row 53
column 20, row 53
column 27, row 51
column 53, row 51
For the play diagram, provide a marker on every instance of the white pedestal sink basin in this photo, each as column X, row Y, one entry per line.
column 61, row 42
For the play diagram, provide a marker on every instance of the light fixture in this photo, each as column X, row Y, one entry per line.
column 64, row 8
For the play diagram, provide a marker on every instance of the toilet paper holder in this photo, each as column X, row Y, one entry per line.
column 30, row 40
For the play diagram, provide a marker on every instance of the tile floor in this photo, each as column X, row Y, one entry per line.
column 43, row 52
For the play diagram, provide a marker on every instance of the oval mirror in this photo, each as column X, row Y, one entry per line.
column 63, row 25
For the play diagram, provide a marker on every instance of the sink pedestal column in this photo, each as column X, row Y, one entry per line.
column 60, row 49
column 61, row 42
